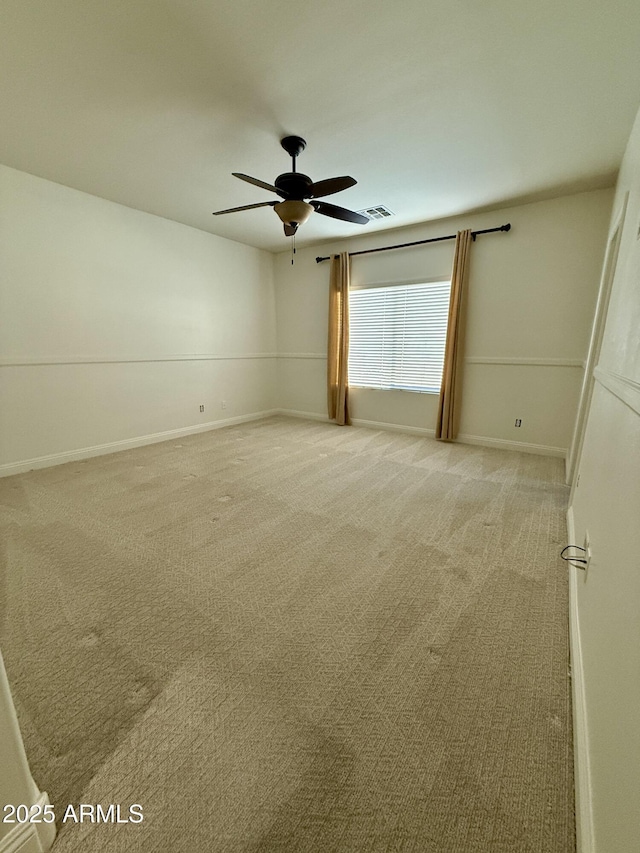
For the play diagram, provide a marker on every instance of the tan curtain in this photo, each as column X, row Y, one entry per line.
column 449, row 408
column 338, row 351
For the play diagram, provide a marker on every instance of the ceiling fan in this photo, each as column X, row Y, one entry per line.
column 294, row 187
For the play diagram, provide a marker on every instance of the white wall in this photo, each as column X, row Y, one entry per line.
column 116, row 325
column 532, row 294
column 606, row 503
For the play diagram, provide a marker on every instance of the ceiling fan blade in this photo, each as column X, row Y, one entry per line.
column 245, row 207
column 290, row 230
column 339, row 212
column 256, row 182
column 331, row 185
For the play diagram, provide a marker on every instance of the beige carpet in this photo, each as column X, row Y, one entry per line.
column 290, row 636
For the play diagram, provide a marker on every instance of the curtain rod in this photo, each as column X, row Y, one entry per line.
column 474, row 234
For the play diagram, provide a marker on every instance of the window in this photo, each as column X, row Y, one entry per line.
column 397, row 336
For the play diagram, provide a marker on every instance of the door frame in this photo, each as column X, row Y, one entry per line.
column 595, row 345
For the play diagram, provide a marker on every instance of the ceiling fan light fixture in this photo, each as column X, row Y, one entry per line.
column 293, row 212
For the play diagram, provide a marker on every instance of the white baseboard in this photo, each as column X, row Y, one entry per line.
column 126, row 444
column 314, row 416
column 499, row 443
column 307, row 416
column 410, row 430
column 30, row 837
column 520, row 446
column 582, row 771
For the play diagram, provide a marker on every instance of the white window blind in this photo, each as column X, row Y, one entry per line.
column 397, row 336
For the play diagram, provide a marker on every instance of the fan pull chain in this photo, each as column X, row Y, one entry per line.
column 293, row 247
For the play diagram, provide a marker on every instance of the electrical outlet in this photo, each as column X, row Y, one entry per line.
column 223, row 404
column 587, row 553
column 518, row 422
column 202, row 408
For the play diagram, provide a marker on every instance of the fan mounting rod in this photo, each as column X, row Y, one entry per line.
column 293, row 145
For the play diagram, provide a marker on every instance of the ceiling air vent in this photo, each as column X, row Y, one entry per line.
column 379, row 211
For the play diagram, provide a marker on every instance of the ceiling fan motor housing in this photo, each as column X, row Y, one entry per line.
column 293, row 185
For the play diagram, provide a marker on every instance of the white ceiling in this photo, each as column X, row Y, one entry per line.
column 436, row 107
